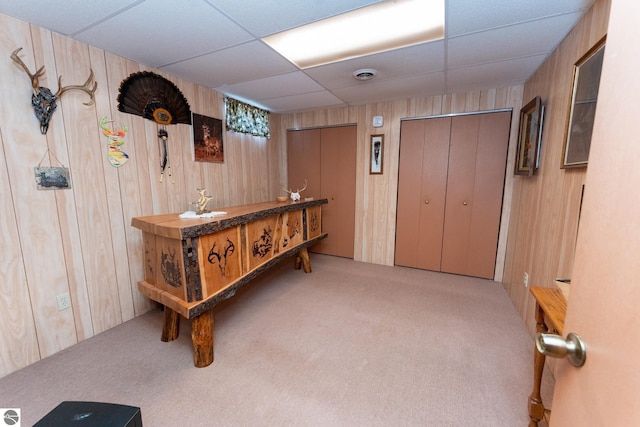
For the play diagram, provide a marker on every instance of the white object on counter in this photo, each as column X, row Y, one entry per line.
column 192, row 214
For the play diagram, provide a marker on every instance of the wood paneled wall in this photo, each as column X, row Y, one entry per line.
column 80, row 240
column 376, row 195
column 546, row 207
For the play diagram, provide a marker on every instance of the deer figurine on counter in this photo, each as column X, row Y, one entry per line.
column 295, row 195
column 43, row 100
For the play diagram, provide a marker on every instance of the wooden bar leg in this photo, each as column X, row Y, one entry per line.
column 202, row 337
column 536, row 407
column 298, row 262
column 170, row 326
column 306, row 263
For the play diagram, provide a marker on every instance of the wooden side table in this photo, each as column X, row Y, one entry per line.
column 551, row 309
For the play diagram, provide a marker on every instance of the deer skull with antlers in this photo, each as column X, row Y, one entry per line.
column 295, row 195
column 43, row 100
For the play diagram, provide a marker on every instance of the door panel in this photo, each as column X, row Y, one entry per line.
column 303, row 150
column 434, row 191
column 422, row 183
column 409, row 192
column 603, row 304
column 338, row 186
column 488, row 190
column 460, row 187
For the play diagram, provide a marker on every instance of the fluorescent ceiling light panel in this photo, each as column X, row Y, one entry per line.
column 373, row 29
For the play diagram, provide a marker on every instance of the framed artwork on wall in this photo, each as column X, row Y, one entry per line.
column 529, row 136
column 377, row 157
column 207, row 139
column 584, row 97
column 52, row 178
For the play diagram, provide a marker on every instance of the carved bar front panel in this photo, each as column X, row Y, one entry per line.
column 193, row 264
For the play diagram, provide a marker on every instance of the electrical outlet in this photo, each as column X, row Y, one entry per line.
column 526, row 280
column 64, row 301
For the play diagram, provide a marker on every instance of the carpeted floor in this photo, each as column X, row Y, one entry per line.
column 351, row 344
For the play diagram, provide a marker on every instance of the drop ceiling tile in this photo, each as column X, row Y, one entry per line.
column 307, row 101
column 249, row 61
column 405, row 87
column 531, row 38
column 159, row 32
column 420, row 59
column 269, row 17
column 273, row 87
column 64, row 17
column 467, row 16
column 482, row 76
column 213, row 43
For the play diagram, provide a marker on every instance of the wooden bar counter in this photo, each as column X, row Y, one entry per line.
column 191, row 265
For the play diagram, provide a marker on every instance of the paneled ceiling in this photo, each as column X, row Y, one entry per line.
column 217, row 44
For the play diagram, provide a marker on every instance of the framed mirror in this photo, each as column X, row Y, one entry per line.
column 584, row 97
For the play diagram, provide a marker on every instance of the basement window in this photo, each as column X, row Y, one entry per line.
column 245, row 118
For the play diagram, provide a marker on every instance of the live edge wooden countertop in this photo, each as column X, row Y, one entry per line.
column 174, row 227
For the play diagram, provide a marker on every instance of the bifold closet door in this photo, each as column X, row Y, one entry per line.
column 326, row 157
column 422, row 188
column 475, row 184
column 338, row 186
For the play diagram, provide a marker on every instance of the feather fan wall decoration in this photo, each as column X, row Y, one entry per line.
column 153, row 97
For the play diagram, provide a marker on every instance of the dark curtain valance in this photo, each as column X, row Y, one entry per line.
column 245, row 118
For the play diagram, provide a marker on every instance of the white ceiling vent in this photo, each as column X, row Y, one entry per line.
column 365, row 74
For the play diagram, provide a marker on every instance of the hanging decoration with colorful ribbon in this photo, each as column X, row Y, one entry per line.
column 117, row 157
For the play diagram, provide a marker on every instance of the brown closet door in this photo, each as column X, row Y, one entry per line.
column 477, row 161
column 338, row 186
column 326, row 157
column 422, row 180
column 303, row 154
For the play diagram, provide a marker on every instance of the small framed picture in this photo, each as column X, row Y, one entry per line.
column 207, row 139
column 52, row 178
column 377, row 154
column 529, row 137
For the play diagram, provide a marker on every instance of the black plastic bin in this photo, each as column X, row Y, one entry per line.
column 91, row 414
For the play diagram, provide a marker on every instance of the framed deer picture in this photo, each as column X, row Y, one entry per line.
column 207, row 139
